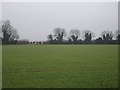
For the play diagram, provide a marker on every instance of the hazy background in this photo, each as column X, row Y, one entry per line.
column 35, row 20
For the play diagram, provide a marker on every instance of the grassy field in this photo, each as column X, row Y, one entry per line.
column 60, row 66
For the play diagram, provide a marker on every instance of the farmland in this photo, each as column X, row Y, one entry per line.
column 60, row 66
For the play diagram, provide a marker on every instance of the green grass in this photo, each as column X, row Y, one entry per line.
column 60, row 66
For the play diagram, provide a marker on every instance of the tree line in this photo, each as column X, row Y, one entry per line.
column 73, row 37
column 9, row 35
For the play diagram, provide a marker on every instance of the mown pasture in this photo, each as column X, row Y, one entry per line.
column 60, row 66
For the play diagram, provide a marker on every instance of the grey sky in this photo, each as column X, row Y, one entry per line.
column 35, row 20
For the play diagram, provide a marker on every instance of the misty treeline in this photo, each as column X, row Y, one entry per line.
column 107, row 37
column 9, row 35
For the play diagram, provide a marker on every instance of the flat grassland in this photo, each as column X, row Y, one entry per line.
column 60, row 66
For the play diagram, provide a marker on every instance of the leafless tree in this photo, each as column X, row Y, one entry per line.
column 88, row 35
column 9, row 32
column 59, row 33
column 74, row 34
column 50, row 37
column 107, row 35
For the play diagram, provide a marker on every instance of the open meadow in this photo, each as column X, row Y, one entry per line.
column 60, row 66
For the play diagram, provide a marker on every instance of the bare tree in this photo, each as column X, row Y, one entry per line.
column 74, row 34
column 59, row 33
column 107, row 35
column 14, row 35
column 50, row 37
column 88, row 35
column 117, row 34
column 10, row 34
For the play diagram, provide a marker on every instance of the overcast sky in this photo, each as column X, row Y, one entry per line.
column 35, row 20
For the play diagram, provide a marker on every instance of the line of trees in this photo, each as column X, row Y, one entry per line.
column 9, row 35
column 74, row 37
